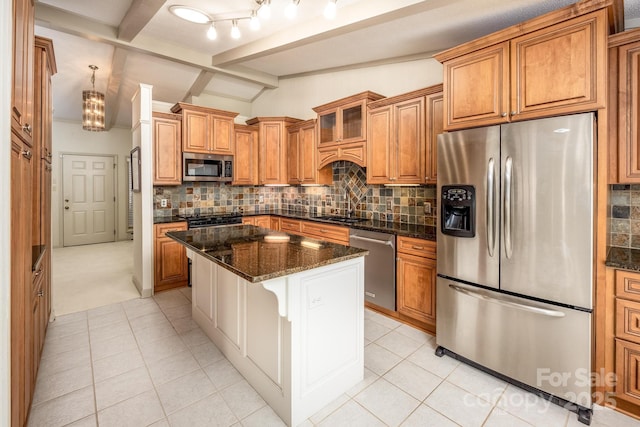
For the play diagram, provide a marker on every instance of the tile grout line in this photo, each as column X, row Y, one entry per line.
column 146, row 365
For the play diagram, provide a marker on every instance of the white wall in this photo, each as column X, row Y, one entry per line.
column 69, row 138
column 6, row 26
column 297, row 96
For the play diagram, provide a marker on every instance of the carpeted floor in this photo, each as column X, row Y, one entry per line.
column 89, row 276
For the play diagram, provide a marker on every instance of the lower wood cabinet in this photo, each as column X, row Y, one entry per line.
column 328, row 233
column 289, row 225
column 170, row 258
column 263, row 221
column 416, row 280
column 627, row 341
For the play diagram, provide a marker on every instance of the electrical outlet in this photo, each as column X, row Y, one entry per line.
column 427, row 207
column 389, row 204
column 163, row 203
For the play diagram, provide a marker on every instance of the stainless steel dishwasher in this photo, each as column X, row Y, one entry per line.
column 379, row 266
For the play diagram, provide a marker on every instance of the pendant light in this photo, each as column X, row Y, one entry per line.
column 93, row 106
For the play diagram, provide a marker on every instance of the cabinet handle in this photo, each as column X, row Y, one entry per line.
column 417, row 247
column 27, row 128
column 27, row 154
column 37, row 273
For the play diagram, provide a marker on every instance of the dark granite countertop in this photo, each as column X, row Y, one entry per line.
column 419, row 231
column 623, row 258
column 166, row 219
column 246, row 251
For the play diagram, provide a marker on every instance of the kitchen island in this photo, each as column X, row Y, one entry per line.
column 286, row 311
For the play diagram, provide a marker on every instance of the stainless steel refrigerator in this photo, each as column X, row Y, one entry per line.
column 515, row 253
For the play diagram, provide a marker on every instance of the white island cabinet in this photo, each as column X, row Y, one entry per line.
column 297, row 338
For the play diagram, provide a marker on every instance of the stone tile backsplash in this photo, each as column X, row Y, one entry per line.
column 394, row 204
column 624, row 216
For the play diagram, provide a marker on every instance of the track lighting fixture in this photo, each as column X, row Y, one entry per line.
column 292, row 9
column 330, row 9
column 212, row 33
column 261, row 11
column 235, row 31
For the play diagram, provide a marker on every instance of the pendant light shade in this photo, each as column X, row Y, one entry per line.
column 93, row 106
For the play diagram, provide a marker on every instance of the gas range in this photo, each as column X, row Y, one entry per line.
column 199, row 221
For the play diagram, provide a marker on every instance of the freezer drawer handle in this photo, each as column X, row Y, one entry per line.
column 491, row 235
column 508, row 175
column 483, row 296
column 366, row 239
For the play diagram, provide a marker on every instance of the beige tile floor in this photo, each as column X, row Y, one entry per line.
column 145, row 362
column 109, row 266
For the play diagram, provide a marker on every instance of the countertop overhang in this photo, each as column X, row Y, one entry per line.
column 248, row 251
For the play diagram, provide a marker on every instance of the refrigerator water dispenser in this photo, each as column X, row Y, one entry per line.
column 458, row 210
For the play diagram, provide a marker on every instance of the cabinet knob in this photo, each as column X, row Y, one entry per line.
column 504, row 114
column 66, row 207
column 513, row 113
column 27, row 128
column 41, row 293
column 27, row 154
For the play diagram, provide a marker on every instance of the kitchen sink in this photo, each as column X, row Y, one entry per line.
column 342, row 219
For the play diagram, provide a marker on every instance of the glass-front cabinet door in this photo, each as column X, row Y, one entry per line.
column 352, row 128
column 328, row 129
column 342, row 124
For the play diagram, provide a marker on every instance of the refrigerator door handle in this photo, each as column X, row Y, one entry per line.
column 508, row 175
column 484, row 296
column 491, row 233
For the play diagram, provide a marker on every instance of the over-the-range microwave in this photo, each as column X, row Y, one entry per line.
column 207, row 167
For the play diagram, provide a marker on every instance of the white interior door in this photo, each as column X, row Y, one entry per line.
column 88, row 199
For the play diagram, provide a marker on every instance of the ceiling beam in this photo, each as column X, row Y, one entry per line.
column 198, row 86
column 60, row 20
column 351, row 18
column 137, row 17
column 112, row 98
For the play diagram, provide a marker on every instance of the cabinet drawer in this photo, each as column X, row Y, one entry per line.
column 161, row 229
column 419, row 247
column 628, row 285
column 628, row 320
column 290, row 225
column 628, row 371
column 330, row 233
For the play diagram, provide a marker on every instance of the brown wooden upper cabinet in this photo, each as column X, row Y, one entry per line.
column 272, row 148
column 435, row 126
column 245, row 168
column 624, row 63
column 399, row 140
column 167, row 149
column 528, row 71
column 302, row 165
column 206, row 130
column 23, row 71
column 342, row 129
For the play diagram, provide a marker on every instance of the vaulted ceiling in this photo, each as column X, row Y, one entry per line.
column 140, row 41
